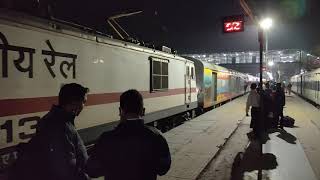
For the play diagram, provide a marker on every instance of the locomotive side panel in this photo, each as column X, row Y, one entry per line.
column 37, row 62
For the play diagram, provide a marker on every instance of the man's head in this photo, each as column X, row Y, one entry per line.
column 267, row 85
column 253, row 86
column 131, row 105
column 278, row 87
column 72, row 97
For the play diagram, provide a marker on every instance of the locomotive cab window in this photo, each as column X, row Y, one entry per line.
column 188, row 71
column 159, row 74
column 192, row 73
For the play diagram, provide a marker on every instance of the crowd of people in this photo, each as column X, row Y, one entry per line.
column 266, row 106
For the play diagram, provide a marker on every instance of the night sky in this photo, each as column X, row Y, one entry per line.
column 191, row 26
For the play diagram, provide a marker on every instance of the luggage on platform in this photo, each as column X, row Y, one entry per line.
column 288, row 121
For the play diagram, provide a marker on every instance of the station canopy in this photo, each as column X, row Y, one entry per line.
column 276, row 56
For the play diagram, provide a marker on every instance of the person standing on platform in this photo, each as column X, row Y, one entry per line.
column 253, row 101
column 268, row 91
column 56, row 152
column 132, row 150
column 280, row 101
column 289, row 88
column 284, row 87
column 268, row 106
column 245, row 86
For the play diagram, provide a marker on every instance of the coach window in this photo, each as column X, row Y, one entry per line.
column 159, row 74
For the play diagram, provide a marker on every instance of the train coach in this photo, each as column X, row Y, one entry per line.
column 216, row 84
column 38, row 56
column 307, row 85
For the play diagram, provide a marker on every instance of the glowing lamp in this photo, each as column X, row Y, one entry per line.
column 270, row 63
column 266, row 23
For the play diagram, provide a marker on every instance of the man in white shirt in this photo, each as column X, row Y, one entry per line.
column 253, row 101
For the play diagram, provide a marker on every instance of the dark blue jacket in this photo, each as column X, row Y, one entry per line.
column 280, row 99
column 65, row 155
column 132, row 151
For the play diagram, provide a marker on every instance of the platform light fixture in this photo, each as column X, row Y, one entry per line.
column 266, row 23
column 270, row 75
column 270, row 63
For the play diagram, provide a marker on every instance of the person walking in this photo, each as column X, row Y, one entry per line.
column 289, row 88
column 253, row 101
column 56, row 152
column 132, row 150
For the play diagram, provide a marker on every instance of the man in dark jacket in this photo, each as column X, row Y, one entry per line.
column 132, row 150
column 268, row 106
column 56, row 152
column 280, row 101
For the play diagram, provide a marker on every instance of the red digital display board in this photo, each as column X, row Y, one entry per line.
column 233, row 24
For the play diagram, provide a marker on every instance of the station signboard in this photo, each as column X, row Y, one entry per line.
column 233, row 24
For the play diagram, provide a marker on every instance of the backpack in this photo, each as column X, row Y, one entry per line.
column 288, row 121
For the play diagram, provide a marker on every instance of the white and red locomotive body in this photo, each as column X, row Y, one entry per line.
column 38, row 56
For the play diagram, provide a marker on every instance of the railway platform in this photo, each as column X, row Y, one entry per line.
column 196, row 142
column 307, row 129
